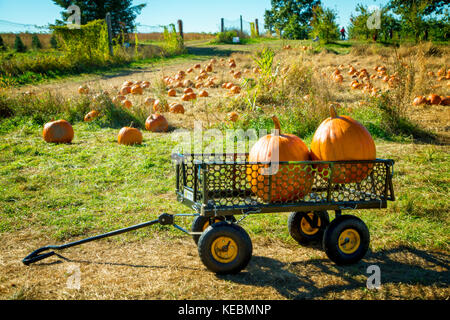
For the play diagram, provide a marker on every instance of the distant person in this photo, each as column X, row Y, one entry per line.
column 343, row 33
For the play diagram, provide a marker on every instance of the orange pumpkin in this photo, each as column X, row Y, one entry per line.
column 419, row 100
column 172, row 93
column 291, row 182
column 136, row 89
column 59, row 131
column 125, row 90
column 188, row 90
column 127, row 104
column 91, row 116
column 129, row 136
column 235, row 90
column 233, row 116
column 203, row 94
column 341, row 138
column 445, row 101
column 83, row 90
column 156, row 123
column 177, row 108
column 434, row 99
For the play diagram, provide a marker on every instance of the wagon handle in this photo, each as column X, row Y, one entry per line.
column 35, row 256
column 163, row 219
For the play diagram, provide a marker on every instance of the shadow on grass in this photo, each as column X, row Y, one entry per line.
column 317, row 278
column 210, row 51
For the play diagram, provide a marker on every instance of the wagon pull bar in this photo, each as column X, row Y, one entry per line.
column 163, row 219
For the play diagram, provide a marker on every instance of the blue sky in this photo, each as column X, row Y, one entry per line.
column 197, row 15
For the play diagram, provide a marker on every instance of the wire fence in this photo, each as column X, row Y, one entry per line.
column 14, row 27
column 236, row 25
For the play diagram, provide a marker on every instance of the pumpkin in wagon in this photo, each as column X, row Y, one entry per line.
column 341, row 138
column 291, row 182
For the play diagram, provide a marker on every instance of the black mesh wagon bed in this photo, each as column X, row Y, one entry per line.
column 221, row 185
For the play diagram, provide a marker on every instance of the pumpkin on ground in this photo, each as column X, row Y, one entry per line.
column 137, row 89
column 91, row 116
column 59, row 131
column 176, row 108
column 233, row 116
column 156, row 123
column 434, row 99
column 419, row 100
column 129, row 136
column 291, row 182
column 341, row 138
column 127, row 103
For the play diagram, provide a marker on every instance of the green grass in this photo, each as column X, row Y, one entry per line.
column 95, row 185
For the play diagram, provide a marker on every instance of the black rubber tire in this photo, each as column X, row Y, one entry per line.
column 297, row 233
column 331, row 238
column 238, row 235
column 200, row 221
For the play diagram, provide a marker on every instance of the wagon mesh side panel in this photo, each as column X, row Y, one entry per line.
column 233, row 182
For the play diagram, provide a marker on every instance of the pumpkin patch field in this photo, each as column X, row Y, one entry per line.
column 90, row 154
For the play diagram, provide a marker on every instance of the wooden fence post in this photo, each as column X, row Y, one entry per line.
column 257, row 27
column 110, row 44
column 242, row 27
column 222, row 25
column 180, row 28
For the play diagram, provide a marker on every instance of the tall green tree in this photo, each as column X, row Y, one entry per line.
column 290, row 17
column 415, row 13
column 123, row 12
column 360, row 30
column 324, row 24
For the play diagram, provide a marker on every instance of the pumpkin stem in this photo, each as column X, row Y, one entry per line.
column 277, row 124
column 333, row 112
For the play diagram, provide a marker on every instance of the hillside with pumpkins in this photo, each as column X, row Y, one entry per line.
column 355, row 119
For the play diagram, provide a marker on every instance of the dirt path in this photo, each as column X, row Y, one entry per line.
column 160, row 268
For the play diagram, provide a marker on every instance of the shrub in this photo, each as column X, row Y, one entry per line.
column 53, row 42
column 18, row 45
column 226, row 37
column 2, row 44
column 173, row 42
column 35, row 42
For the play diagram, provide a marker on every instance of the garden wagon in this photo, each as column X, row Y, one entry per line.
column 218, row 188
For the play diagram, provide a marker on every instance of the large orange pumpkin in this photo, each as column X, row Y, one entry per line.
column 341, row 138
column 156, row 123
column 129, row 136
column 292, row 182
column 59, row 131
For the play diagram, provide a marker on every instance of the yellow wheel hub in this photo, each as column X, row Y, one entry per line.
column 206, row 225
column 307, row 228
column 349, row 241
column 224, row 249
